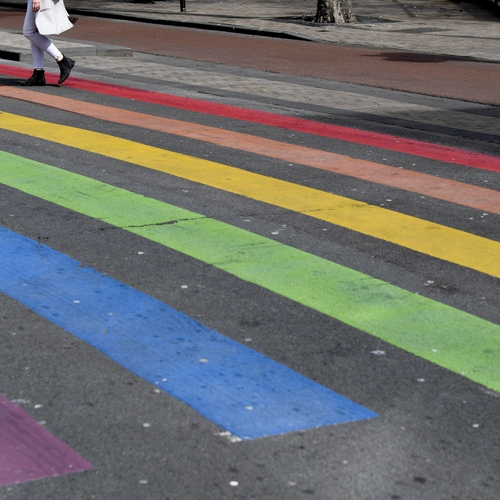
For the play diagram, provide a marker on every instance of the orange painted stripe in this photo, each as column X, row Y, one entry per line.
column 424, row 184
column 437, row 152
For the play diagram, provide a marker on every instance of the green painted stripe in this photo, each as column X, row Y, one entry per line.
column 441, row 334
column 426, row 237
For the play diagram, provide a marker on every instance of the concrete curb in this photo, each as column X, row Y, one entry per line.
column 197, row 25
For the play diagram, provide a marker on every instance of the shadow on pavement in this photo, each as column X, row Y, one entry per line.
column 417, row 58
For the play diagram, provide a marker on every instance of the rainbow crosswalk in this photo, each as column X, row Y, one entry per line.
column 446, row 336
column 399, row 317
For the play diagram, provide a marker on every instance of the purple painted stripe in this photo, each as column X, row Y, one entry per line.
column 28, row 451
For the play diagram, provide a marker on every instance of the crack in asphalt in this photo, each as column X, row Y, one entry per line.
column 166, row 223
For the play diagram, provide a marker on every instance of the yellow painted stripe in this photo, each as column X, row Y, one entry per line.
column 436, row 240
column 460, row 193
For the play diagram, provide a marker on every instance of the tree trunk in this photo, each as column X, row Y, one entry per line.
column 334, row 11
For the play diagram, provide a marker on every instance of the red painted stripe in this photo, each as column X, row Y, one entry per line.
column 388, row 142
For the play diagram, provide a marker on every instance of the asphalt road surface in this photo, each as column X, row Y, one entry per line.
column 235, row 280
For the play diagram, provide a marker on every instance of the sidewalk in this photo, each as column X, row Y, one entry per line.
column 443, row 27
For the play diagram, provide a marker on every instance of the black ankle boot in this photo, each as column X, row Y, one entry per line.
column 65, row 65
column 37, row 79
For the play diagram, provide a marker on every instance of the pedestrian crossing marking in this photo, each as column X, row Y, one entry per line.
column 408, row 180
column 436, row 240
column 239, row 389
column 28, row 451
column 453, row 339
column 361, row 137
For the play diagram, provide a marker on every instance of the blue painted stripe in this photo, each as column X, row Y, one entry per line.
column 241, row 390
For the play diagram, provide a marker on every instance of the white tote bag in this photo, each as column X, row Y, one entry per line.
column 52, row 18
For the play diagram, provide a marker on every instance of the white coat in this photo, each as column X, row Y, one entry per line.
column 52, row 18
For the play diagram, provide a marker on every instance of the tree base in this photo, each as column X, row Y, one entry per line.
column 334, row 11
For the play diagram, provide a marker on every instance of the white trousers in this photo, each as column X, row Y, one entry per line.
column 39, row 43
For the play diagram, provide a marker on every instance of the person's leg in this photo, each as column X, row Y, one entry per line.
column 39, row 45
column 38, row 76
column 29, row 30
